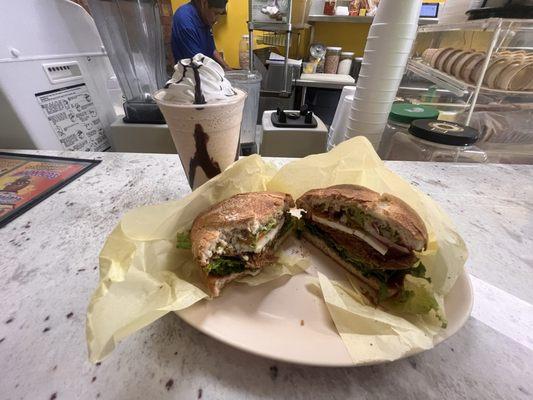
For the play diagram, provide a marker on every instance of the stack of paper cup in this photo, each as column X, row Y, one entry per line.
column 388, row 45
column 337, row 130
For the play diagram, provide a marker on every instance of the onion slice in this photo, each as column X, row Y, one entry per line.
column 374, row 243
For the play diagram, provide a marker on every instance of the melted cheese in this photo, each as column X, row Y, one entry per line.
column 378, row 246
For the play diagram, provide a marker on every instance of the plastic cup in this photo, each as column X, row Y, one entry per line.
column 388, row 52
column 386, row 45
column 361, row 106
column 395, row 35
column 394, row 40
column 337, row 135
column 372, row 95
column 382, row 72
column 389, row 60
column 375, row 72
column 373, row 117
column 334, row 138
column 375, row 63
column 398, row 10
column 206, row 135
column 376, row 93
column 407, row 27
column 368, row 79
column 381, row 99
column 407, row 30
column 346, row 91
column 391, row 57
column 383, row 84
column 370, row 106
column 364, row 127
column 375, row 96
column 342, row 111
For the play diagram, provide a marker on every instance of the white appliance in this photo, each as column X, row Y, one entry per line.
column 54, row 74
column 291, row 142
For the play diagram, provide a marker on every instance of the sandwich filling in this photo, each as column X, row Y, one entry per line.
column 389, row 272
column 249, row 251
column 374, row 243
column 246, row 250
column 381, row 234
column 376, row 237
column 373, row 246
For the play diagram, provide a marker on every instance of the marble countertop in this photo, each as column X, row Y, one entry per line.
column 42, row 318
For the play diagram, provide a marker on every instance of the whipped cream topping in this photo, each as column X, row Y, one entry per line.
column 198, row 80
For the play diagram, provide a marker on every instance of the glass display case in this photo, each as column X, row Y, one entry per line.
column 479, row 73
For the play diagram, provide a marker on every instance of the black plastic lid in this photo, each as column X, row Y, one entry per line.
column 444, row 132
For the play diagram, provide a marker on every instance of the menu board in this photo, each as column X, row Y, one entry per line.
column 73, row 117
column 25, row 180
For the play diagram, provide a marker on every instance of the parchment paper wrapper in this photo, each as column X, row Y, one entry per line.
column 143, row 275
column 359, row 323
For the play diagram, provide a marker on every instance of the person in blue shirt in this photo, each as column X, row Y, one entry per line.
column 191, row 29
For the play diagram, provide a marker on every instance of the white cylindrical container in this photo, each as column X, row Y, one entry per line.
column 338, row 127
column 384, row 61
column 346, row 91
column 345, row 63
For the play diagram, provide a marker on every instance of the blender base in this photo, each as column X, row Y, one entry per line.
column 142, row 113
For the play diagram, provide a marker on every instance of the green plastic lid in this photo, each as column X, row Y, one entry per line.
column 406, row 112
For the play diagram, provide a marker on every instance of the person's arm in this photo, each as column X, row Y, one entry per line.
column 219, row 59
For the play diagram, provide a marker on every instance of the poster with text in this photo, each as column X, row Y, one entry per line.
column 26, row 180
column 74, row 118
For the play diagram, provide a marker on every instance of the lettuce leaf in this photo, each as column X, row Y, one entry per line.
column 269, row 226
column 225, row 266
column 184, row 240
column 416, row 297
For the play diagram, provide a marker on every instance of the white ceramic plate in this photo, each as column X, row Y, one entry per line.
column 286, row 321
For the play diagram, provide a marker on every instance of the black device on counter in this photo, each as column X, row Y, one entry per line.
column 522, row 9
column 294, row 119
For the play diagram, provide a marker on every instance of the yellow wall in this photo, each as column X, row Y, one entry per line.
column 351, row 37
column 230, row 28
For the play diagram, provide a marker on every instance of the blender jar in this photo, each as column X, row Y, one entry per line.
column 131, row 33
column 250, row 82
